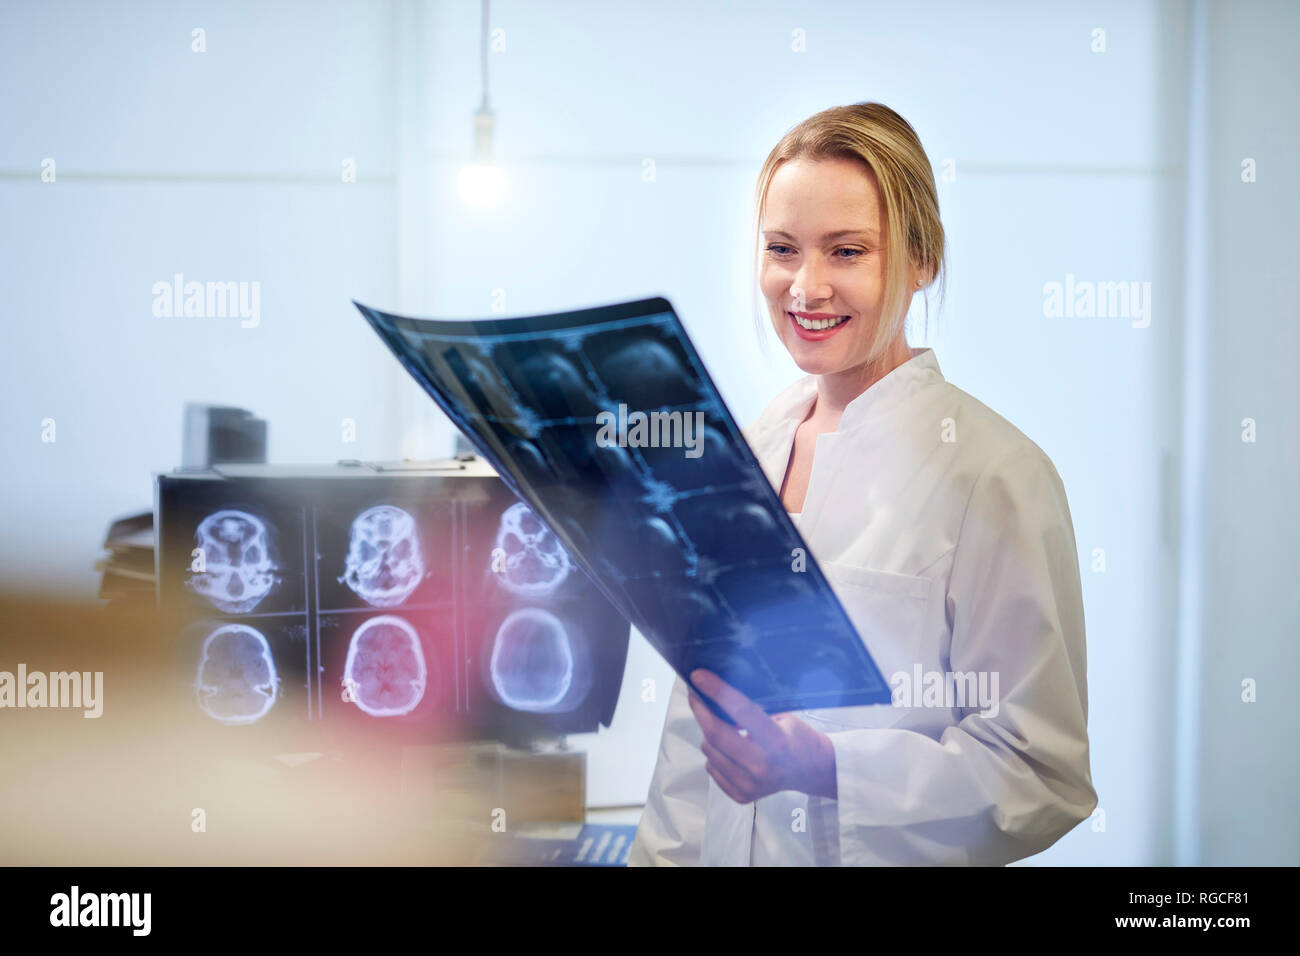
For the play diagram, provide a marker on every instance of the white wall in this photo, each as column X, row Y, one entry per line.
column 222, row 166
column 1244, row 766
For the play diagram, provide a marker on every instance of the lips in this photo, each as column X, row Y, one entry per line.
column 814, row 335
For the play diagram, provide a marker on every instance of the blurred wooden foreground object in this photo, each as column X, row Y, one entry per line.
column 153, row 781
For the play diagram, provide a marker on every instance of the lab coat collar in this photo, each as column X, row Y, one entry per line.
column 792, row 405
column 772, row 435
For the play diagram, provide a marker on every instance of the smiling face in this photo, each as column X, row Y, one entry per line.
column 823, row 264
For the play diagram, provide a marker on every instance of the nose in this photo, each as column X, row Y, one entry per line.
column 810, row 284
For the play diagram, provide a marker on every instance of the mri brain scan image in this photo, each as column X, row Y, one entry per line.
column 385, row 668
column 532, row 666
column 646, row 373
column 696, row 551
column 383, row 565
column 558, row 387
column 482, row 384
column 528, row 558
column 238, row 570
column 237, row 682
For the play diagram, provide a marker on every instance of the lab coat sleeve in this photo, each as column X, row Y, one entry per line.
column 672, row 823
column 994, row 787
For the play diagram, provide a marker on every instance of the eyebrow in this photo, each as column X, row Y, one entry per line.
column 839, row 233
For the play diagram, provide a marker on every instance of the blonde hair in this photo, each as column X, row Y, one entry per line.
column 876, row 136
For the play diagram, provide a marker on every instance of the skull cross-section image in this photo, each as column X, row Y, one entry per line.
column 383, row 561
column 385, row 666
column 237, row 571
column 533, row 560
column 237, row 682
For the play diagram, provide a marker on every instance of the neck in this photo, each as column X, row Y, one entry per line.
column 836, row 390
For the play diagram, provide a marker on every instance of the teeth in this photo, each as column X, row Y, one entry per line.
column 816, row 325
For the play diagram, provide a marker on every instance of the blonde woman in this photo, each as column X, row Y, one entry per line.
column 944, row 531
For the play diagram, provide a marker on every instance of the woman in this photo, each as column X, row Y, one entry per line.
column 943, row 530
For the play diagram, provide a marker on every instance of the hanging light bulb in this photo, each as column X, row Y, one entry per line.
column 482, row 182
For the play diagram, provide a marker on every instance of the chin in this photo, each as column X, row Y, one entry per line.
column 815, row 365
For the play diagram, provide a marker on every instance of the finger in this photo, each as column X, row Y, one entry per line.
column 709, row 722
column 724, row 784
column 742, row 710
column 700, row 694
column 701, row 676
column 726, row 738
column 744, row 752
column 711, row 725
column 734, row 772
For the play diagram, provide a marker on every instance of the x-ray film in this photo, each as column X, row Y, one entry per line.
column 605, row 422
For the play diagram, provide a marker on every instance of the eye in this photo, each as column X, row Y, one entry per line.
column 856, row 252
column 776, row 247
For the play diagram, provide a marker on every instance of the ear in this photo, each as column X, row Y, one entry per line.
column 924, row 275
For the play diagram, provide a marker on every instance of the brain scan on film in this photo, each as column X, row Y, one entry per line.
column 385, row 668
column 237, row 682
column 558, row 387
column 532, row 662
column 237, row 571
column 686, row 537
column 383, row 564
column 528, row 558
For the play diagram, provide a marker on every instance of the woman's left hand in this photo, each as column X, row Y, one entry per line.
column 763, row 754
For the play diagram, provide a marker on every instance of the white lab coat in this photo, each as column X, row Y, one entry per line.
column 946, row 535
